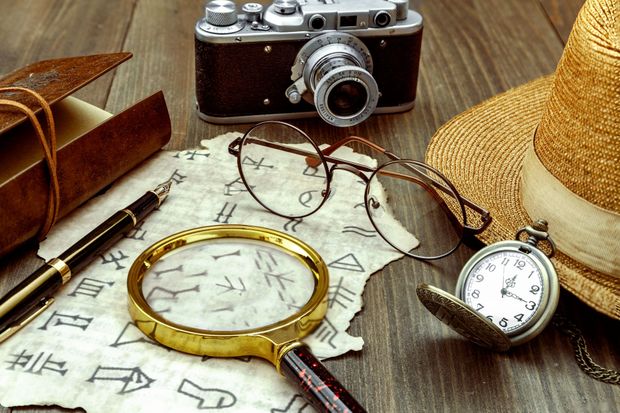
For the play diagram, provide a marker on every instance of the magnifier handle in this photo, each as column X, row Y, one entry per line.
column 319, row 387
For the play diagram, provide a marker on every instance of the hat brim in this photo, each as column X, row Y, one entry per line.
column 482, row 150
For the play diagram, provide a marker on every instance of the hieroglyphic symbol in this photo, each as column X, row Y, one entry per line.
column 305, row 198
column 292, row 224
column 264, row 260
column 137, row 233
column 326, row 332
column 164, row 294
column 208, row 398
column 133, row 379
column 348, row 262
column 225, row 213
column 67, row 320
column 267, row 263
column 257, row 165
column 168, row 270
column 296, row 405
column 368, row 233
column 131, row 334
column 235, row 187
column 198, row 274
column 290, row 305
column 314, row 172
column 90, row 287
column 177, row 177
column 29, row 364
column 230, row 287
column 112, row 258
column 230, row 254
column 279, row 278
column 340, row 295
column 190, row 155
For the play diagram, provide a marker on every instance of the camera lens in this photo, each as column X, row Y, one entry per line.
column 346, row 95
column 347, row 98
column 336, row 71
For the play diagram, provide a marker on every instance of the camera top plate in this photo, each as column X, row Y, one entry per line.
column 353, row 17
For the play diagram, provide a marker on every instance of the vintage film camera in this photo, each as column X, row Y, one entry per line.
column 342, row 59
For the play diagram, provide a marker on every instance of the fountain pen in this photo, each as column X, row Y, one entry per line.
column 34, row 294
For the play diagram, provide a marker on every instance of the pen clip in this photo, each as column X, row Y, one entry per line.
column 28, row 318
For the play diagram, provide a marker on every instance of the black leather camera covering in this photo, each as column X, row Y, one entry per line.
column 234, row 79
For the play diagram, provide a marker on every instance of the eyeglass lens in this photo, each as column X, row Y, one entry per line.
column 285, row 182
column 419, row 200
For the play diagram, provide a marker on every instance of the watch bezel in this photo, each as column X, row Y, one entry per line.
column 551, row 293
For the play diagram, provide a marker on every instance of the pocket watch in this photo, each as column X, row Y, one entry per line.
column 506, row 294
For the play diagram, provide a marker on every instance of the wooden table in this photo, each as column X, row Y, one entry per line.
column 472, row 50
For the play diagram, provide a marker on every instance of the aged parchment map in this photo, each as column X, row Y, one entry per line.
column 84, row 350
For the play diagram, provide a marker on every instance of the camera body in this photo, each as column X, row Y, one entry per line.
column 340, row 59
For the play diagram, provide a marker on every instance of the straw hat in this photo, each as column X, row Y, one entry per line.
column 551, row 149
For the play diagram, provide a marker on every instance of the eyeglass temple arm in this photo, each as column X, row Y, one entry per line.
column 313, row 161
column 485, row 216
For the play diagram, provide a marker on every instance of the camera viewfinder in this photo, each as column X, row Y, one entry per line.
column 348, row 21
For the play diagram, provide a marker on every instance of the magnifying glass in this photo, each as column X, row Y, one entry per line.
column 238, row 290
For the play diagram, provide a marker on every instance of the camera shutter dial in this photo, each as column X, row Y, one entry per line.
column 221, row 18
column 221, row 13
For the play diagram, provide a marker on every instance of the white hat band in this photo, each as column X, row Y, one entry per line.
column 583, row 231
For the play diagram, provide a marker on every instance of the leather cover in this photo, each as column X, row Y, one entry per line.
column 87, row 163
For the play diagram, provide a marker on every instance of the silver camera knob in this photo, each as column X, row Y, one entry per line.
column 221, row 13
column 252, row 11
column 285, row 6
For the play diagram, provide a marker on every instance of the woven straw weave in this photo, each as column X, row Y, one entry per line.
column 582, row 116
column 575, row 115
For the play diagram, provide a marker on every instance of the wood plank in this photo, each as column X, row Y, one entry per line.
column 40, row 29
column 562, row 14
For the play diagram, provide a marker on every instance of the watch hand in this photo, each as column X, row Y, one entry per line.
column 509, row 294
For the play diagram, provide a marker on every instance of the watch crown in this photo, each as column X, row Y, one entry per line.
column 537, row 232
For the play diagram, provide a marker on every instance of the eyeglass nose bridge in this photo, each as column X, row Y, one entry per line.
column 355, row 171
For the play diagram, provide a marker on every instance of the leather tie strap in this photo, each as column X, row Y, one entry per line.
column 48, row 143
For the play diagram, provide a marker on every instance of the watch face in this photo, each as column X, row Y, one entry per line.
column 507, row 287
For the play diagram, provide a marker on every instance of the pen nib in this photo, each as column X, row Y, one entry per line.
column 163, row 190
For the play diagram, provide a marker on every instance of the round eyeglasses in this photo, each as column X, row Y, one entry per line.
column 290, row 175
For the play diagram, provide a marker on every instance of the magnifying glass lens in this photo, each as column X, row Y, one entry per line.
column 227, row 285
column 237, row 290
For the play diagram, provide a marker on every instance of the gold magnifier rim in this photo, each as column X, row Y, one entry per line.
column 267, row 341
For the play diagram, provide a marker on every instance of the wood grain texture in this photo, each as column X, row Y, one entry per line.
column 471, row 50
column 35, row 30
column 562, row 14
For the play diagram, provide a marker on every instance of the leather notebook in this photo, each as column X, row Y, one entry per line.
column 94, row 147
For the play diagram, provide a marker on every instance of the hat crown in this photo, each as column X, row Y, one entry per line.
column 578, row 138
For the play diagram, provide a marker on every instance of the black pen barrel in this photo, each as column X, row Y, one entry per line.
column 97, row 241
column 108, row 233
column 143, row 206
